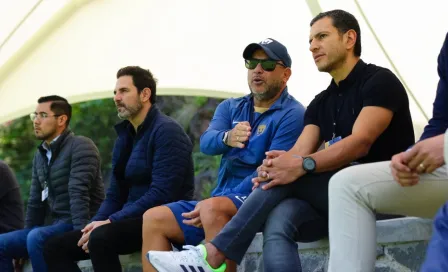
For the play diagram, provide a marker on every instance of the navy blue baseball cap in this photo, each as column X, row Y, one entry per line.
column 272, row 48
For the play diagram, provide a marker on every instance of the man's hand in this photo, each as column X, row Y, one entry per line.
column 84, row 241
column 401, row 172
column 239, row 134
column 193, row 217
column 261, row 174
column 282, row 170
column 18, row 264
column 427, row 155
column 274, row 154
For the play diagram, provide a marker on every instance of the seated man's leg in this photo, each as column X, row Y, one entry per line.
column 290, row 221
column 215, row 213
column 436, row 254
column 36, row 239
column 108, row 241
column 61, row 252
column 357, row 192
column 162, row 227
column 235, row 238
column 12, row 245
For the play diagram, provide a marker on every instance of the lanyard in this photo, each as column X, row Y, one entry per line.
column 338, row 106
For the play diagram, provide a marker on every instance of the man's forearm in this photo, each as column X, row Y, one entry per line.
column 303, row 151
column 211, row 143
column 340, row 154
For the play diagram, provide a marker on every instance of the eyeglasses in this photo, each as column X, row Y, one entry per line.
column 41, row 115
column 266, row 64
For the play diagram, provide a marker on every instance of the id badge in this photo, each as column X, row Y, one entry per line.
column 333, row 141
column 44, row 194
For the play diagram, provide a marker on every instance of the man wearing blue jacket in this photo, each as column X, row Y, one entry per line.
column 414, row 183
column 242, row 130
column 152, row 165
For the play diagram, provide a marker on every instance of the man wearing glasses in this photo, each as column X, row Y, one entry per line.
column 66, row 186
column 242, row 130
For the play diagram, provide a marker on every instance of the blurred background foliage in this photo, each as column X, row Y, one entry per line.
column 96, row 119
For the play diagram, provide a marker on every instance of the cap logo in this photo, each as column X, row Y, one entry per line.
column 266, row 41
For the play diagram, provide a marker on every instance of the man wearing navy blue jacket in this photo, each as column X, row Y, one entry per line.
column 152, row 165
column 414, row 183
column 242, row 131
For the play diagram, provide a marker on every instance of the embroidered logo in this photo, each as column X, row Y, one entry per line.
column 261, row 129
column 266, row 41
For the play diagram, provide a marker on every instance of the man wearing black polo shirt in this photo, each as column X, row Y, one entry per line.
column 363, row 116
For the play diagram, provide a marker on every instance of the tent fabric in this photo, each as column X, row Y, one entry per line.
column 74, row 48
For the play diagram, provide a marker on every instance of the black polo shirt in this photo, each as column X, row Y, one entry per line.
column 335, row 110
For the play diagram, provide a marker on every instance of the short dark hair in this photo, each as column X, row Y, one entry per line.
column 142, row 78
column 59, row 106
column 343, row 21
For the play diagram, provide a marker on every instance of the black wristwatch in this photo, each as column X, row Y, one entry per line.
column 309, row 164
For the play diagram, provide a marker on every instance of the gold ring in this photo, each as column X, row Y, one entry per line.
column 237, row 138
column 267, row 175
column 422, row 166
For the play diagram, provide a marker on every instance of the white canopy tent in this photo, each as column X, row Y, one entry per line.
column 73, row 48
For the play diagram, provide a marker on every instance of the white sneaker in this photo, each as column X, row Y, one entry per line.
column 192, row 259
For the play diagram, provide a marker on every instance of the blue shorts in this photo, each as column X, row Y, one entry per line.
column 194, row 235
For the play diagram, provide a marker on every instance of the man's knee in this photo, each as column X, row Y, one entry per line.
column 295, row 220
column 7, row 240
column 157, row 218
column 215, row 210
column 343, row 181
column 34, row 239
column 99, row 237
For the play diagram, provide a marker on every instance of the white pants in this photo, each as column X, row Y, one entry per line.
column 355, row 193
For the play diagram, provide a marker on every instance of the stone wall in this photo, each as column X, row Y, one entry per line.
column 401, row 248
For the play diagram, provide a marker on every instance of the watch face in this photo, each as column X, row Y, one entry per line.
column 309, row 164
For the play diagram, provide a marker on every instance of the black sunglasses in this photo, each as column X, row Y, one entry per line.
column 267, row 64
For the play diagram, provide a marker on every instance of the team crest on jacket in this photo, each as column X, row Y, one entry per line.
column 261, row 129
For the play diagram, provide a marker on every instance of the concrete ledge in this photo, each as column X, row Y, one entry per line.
column 401, row 247
column 398, row 230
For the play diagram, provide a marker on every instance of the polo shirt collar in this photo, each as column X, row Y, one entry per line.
column 350, row 80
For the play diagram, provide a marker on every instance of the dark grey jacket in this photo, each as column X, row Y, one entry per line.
column 75, row 185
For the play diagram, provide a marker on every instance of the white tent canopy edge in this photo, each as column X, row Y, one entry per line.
column 194, row 48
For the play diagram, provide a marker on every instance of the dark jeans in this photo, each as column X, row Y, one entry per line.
column 28, row 242
column 290, row 221
column 106, row 243
column 236, row 237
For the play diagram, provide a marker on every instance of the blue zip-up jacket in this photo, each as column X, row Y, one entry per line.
column 151, row 167
column 278, row 128
column 436, row 254
column 439, row 121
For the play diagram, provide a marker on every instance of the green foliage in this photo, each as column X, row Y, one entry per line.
column 96, row 119
column 200, row 101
